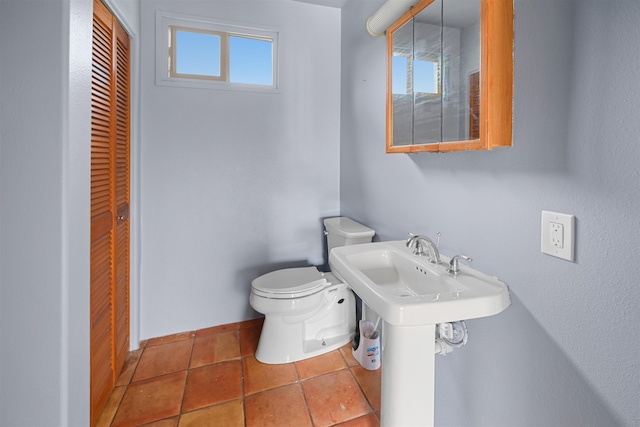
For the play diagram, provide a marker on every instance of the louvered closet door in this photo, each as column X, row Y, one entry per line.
column 109, row 205
column 121, row 299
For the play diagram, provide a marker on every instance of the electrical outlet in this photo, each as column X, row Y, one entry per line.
column 557, row 236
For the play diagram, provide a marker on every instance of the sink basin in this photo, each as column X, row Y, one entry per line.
column 408, row 290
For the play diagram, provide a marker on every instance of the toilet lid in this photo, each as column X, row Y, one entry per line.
column 290, row 282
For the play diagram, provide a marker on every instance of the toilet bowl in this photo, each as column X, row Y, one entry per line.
column 307, row 312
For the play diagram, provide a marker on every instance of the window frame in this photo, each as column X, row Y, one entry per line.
column 165, row 75
column 173, row 45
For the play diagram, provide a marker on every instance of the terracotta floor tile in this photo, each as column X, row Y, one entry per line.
column 130, row 365
column 260, row 377
column 252, row 323
column 367, row 421
column 212, row 384
column 171, row 338
column 249, row 339
column 215, row 348
column 151, row 400
column 163, row 359
column 334, row 398
column 111, row 407
column 328, row 362
column 328, row 390
column 370, row 383
column 217, row 329
column 167, row 422
column 280, row 407
column 346, row 351
column 228, row 414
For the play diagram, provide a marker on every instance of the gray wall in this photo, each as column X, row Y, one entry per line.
column 45, row 118
column 45, row 87
column 235, row 184
column 566, row 352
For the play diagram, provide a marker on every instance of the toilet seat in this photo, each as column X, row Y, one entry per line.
column 290, row 283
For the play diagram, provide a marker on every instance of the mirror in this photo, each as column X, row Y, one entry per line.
column 450, row 76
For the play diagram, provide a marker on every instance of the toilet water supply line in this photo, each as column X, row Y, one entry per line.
column 450, row 335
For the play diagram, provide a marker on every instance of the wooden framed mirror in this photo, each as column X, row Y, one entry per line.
column 450, row 77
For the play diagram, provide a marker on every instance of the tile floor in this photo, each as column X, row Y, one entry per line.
column 210, row 377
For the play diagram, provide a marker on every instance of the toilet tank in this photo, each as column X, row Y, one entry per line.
column 342, row 231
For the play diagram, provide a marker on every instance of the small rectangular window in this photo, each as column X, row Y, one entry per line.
column 250, row 60
column 196, row 53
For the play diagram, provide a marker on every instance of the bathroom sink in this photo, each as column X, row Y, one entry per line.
column 408, row 290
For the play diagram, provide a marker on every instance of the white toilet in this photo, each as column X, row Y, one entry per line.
column 307, row 312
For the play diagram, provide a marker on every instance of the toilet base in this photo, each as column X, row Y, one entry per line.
column 310, row 348
column 290, row 339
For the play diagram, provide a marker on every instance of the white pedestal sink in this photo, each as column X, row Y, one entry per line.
column 412, row 296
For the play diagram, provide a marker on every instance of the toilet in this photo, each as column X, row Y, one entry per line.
column 307, row 312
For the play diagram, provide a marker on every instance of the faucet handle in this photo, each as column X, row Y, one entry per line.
column 453, row 264
column 414, row 239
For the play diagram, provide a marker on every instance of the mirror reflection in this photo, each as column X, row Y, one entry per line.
column 435, row 74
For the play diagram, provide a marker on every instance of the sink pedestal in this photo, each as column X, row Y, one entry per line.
column 412, row 296
column 408, row 374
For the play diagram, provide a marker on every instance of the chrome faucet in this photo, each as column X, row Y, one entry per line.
column 419, row 242
column 453, row 264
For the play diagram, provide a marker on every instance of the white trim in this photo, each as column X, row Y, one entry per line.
column 135, row 196
column 223, row 44
column 74, row 386
column 117, row 12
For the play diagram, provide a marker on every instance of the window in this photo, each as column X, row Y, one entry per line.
column 426, row 75
column 420, row 74
column 197, row 53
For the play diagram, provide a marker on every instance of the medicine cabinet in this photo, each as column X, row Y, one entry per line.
column 450, row 77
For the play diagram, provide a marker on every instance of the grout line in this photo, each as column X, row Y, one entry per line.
column 186, row 379
column 366, row 397
column 241, row 359
column 244, row 403
column 126, row 386
column 306, row 403
column 295, row 369
column 133, row 374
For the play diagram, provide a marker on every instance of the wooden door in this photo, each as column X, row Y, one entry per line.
column 109, row 205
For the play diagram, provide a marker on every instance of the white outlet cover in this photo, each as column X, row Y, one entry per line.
column 568, row 223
